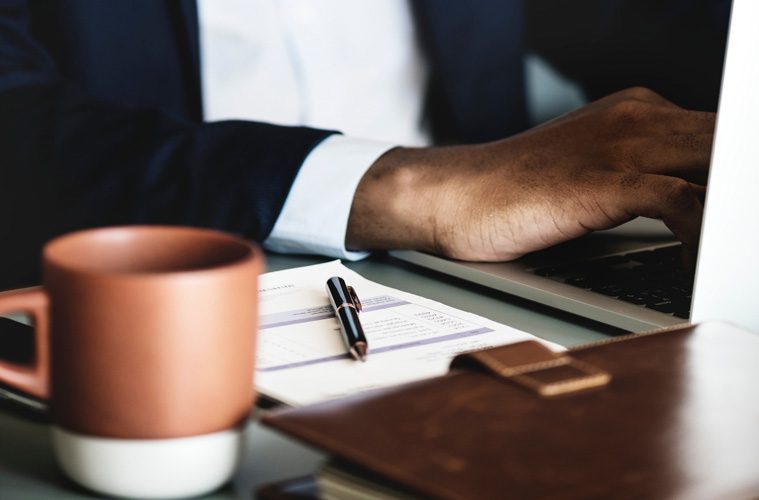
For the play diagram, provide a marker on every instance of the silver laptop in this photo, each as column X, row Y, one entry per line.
column 629, row 276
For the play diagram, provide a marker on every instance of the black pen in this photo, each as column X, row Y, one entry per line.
column 347, row 306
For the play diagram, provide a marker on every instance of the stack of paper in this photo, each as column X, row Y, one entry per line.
column 302, row 357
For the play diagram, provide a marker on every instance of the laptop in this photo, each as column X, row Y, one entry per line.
column 629, row 277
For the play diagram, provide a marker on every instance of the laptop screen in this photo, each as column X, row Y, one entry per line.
column 728, row 270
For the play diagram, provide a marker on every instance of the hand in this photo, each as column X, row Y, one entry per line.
column 630, row 154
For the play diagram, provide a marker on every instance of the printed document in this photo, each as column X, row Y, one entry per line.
column 302, row 357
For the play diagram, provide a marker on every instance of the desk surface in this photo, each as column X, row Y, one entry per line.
column 28, row 469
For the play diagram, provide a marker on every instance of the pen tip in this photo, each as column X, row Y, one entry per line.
column 358, row 351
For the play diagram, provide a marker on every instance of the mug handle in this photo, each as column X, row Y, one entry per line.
column 32, row 379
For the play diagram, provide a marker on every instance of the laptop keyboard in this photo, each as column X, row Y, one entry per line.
column 650, row 278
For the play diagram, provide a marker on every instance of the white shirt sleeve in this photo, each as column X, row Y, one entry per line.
column 314, row 218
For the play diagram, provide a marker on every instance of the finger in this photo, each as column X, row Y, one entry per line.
column 685, row 155
column 626, row 106
column 706, row 120
column 675, row 201
column 646, row 95
column 700, row 190
column 636, row 118
column 681, row 121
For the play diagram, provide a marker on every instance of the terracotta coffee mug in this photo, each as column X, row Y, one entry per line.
column 145, row 344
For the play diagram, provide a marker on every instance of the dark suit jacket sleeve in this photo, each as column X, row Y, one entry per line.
column 69, row 161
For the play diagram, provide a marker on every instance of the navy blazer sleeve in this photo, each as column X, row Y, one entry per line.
column 70, row 161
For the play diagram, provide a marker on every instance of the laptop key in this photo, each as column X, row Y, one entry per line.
column 682, row 313
column 548, row 271
column 650, row 278
column 610, row 290
column 579, row 281
column 665, row 307
column 613, row 260
column 633, row 298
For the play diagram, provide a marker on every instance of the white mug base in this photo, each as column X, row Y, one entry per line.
column 149, row 468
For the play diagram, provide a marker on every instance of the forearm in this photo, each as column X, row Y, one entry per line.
column 71, row 162
column 600, row 166
column 106, row 164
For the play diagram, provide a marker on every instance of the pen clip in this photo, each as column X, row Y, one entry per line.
column 354, row 298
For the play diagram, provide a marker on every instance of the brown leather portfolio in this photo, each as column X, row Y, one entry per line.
column 668, row 414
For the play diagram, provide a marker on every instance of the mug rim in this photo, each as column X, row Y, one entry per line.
column 53, row 248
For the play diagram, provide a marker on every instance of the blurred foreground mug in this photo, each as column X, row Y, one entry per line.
column 145, row 344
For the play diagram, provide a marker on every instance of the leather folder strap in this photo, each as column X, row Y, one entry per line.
column 534, row 366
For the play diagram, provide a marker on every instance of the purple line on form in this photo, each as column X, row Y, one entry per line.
column 394, row 347
column 319, row 313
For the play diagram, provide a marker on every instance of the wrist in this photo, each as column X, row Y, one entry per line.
column 393, row 204
column 402, row 199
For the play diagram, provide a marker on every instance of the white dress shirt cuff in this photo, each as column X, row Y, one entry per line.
column 314, row 218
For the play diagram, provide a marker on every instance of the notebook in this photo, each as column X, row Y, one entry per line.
column 667, row 414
